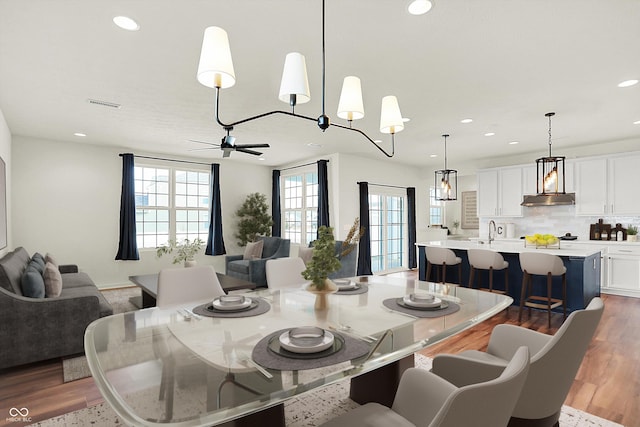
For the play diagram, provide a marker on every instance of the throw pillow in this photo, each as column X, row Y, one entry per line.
column 306, row 254
column 49, row 258
column 52, row 281
column 253, row 250
column 38, row 264
column 32, row 283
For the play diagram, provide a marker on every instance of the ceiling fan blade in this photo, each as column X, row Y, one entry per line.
column 244, row 150
column 202, row 149
column 204, row 142
column 252, row 146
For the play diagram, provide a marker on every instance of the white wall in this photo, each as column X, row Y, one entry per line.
column 5, row 153
column 67, row 202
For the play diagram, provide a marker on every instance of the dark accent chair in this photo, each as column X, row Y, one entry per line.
column 254, row 270
column 349, row 263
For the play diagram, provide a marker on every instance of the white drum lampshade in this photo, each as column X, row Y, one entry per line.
column 294, row 79
column 350, row 106
column 215, row 68
column 390, row 117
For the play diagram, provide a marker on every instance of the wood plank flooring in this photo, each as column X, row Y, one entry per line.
column 607, row 384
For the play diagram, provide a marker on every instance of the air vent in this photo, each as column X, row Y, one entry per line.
column 103, row 103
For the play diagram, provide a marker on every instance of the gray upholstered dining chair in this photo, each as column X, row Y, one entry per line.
column 485, row 259
column 555, row 360
column 426, row 400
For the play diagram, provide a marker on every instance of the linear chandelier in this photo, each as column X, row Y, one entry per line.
column 446, row 180
column 215, row 70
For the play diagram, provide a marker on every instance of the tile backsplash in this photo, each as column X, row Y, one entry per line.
column 556, row 220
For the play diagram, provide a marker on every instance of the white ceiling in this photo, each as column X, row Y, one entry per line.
column 504, row 63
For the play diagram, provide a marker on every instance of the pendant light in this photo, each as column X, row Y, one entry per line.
column 550, row 180
column 446, row 180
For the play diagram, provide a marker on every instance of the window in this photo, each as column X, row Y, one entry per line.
column 300, row 213
column 436, row 208
column 388, row 231
column 170, row 204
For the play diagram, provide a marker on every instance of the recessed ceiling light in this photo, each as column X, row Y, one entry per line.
column 489, row 134
column 406, row 119
column 377, row 141
column 261, row 159
column 126, row 23
column 313, row 145
column 637, row 122
column 433, row 155
column 80, row 134
column 514, row 142
column 466, row 121
column 628, row 83
column 420, row 7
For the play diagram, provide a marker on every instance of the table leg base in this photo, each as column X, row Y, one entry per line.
column 381, row 384
column 270, row 417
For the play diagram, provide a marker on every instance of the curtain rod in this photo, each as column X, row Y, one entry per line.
column 299, row 166
column 167, row 160
column 384, row 185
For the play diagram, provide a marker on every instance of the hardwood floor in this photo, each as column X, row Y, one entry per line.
column 607, row 384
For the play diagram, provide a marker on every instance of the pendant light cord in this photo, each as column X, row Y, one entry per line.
column 323, row 61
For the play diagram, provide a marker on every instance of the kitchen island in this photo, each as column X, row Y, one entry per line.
column 583, row 269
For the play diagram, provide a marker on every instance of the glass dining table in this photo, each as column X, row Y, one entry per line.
column 201, row 364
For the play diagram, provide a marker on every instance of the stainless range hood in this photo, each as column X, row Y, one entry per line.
column 549, row 199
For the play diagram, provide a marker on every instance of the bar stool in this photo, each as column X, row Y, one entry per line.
column 537, row 263
column 443, row 257
column 484, row 259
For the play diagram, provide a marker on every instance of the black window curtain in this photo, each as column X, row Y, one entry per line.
column 323, row 194
column 276, row 216
column 215, row 241
column 128, row 247
column 411, row 225
column 364, row 246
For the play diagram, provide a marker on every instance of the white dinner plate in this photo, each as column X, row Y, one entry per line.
column 225, row 307
column 345, row 285
column 285, row 342
column 436, row 302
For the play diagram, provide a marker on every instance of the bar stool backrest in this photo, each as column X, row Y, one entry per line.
column 541, row 263
column 441, row 256
column 485, row 259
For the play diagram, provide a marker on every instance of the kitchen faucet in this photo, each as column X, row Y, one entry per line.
column 492, row 235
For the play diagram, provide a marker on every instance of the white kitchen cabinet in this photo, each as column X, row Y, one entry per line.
column 623, row 270
column 606, row 186
column 500, row 192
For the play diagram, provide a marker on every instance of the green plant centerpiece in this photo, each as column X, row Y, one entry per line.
column 254, row 219
column 186, row 250
column 632, row 233
column 323, row 261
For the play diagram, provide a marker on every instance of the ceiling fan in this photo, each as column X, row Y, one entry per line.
column 228, row 145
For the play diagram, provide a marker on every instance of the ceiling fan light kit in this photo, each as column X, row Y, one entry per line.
column 215, row 70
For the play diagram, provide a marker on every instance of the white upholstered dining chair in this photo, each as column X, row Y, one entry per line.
column 178, row 286
column 442, row 257
column 285, row 273
column 555, row 360
column 426, row 400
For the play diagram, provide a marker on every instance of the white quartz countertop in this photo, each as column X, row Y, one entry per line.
column 567, row 248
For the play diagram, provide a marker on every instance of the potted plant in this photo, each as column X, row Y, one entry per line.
column 632, row 233
column 325, row 261
column 186, row 250
column 254, row 219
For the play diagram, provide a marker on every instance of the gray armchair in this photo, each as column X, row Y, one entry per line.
column 254, row 270
column 426, row 400
column 554, row 363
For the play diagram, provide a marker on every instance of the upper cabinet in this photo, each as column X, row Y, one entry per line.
column 607, row 186
column 500, row 192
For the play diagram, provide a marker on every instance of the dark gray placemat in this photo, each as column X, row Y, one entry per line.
column 392, row 303
column 262, row 308
column 362, row 289
column 352, row 349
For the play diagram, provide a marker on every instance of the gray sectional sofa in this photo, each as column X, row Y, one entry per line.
column 35, row 329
